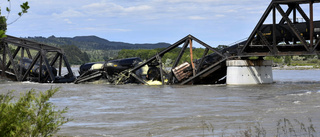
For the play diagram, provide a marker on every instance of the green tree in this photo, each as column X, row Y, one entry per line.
column 3, row 20
column 3, row 26
column 30, row 115
column 75, row 55
column 287, row 60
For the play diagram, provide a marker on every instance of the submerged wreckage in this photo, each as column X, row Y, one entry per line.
column 152, row 71
column 284, row 37
column 43, row 64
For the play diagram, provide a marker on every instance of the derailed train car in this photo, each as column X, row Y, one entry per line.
column 110, row 70
column 40, row 73
column 35, row 71
column 151, row 71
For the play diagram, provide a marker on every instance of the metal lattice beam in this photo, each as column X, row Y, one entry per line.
column 11, row 64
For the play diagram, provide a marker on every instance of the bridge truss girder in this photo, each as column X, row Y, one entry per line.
column 270, row 46
column 11, row 65
column 199, row 71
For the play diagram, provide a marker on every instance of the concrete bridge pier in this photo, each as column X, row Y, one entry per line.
column 242, row 72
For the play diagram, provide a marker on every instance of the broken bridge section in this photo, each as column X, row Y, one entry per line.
column 23, row 60
column 291, row 30
column 207, row 70
column 285, row 35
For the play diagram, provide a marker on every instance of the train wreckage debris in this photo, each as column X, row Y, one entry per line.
column 286, row 37
column 152, row 71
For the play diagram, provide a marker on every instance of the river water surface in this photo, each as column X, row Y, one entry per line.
column 100, row 109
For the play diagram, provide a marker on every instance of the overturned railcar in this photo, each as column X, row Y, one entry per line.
column 153, row 72
column 109, row 70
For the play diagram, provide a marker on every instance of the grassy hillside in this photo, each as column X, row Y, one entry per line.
column 94, row 43
column 83, row 49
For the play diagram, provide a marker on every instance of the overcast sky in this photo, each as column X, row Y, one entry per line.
column 140, row 21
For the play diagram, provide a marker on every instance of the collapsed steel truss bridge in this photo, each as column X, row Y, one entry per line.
column 37, row 66
column 284, row 36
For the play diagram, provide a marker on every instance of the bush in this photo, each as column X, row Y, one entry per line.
column 30, row 115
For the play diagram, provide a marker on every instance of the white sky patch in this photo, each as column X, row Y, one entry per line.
column 197, row 18
column 205, row 1
column 90, row 19
column 112, row 9
column 68, row 14
column 121, row 30
column 104, row 29
column 138, row 8
column 68, row 21
column 142, row 20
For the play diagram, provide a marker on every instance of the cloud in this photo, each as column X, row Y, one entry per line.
column 220, row 15
column 134, row 10
column 70, row 13
column 68, row 21
column 103, row 29
column 126, row 19
column 113, row 9
column 197, row 18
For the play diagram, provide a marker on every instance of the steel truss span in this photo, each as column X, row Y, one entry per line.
column 285, row 36
column 38, row 65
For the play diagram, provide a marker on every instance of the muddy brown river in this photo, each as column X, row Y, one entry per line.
column 99, row 109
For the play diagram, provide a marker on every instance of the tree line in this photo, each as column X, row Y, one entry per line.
column 74, row 55
column 168, row 58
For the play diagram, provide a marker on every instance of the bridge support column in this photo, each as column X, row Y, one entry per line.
column 241, row 72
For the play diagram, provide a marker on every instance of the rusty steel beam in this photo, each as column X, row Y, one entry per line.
column 48, row 66
column 292, row 27
column 66, row 62
column 288, row 12
column 40, row 67
column 311, row 23
column 289, row 53
column 178, row 43
column 60, row 64
column 14, row 56
column 260, row 23
column 303, row 14
column 211, row 71
column 175, row 64
column 30, row 44
column 21, row 62
column 137, row 78
column 3, row 59
column 265, row 41
column 206, row 45
column 15, row 67
column 26, row 46
column 53, row 61
column 274, row 29
column 293, row 6
column 180, row 54
column 203, row 71
column 317, row 44
column 29, row 53
column 295, row 14
column 202, row 60
column 160, row 67
column 184, row 40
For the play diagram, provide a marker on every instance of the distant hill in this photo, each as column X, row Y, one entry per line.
column 94, row 43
